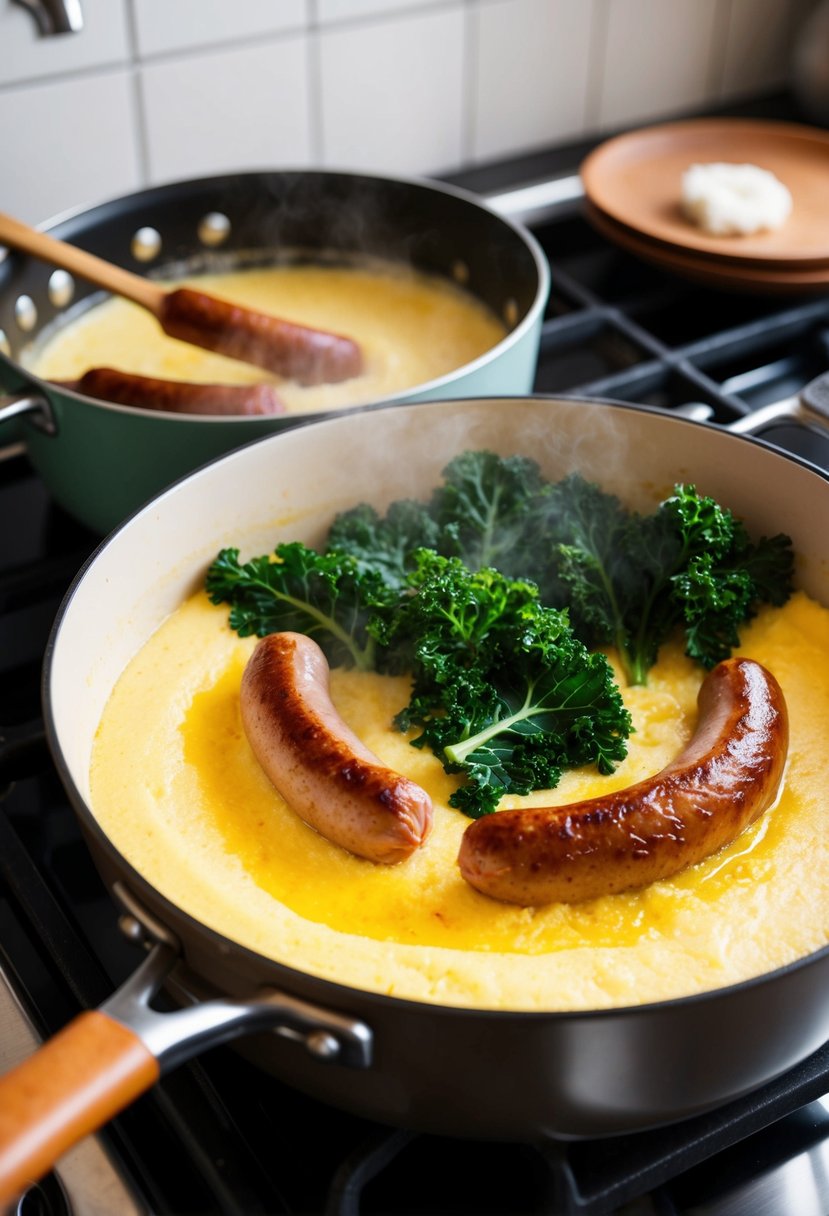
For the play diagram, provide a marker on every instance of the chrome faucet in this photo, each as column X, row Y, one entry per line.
column 55, row 16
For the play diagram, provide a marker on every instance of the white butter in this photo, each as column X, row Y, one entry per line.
column 734, row 200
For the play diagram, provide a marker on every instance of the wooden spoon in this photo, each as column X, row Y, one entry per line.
column 310, row 356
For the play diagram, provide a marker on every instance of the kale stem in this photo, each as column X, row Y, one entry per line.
column 487, row 547
column 363, row 656
column 458, row 752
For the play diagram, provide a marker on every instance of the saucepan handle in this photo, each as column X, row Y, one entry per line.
column 810, row 406
column 22, row 399
column 104, row 1059
column 33, row 406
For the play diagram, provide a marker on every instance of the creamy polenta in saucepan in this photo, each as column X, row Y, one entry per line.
column 177, row 788
column 411, row 328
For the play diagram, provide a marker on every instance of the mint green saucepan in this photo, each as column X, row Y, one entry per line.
column 99, row 460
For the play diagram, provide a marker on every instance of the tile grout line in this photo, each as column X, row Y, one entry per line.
column 599, row 26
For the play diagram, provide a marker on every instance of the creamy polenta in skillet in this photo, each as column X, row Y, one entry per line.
column 411, row 328
column 176, row 786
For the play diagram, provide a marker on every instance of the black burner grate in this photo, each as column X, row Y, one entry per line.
column 620, row 329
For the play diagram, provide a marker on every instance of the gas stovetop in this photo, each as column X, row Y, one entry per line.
column 219, row 1136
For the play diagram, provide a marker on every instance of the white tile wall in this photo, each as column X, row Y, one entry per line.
column 653, row 67
column 392, row 92
column 339, row 10
column 162, row 25
column 66, row 143
column 234, row 109
column 757, row 46
column 153, row 90
column 531, row 73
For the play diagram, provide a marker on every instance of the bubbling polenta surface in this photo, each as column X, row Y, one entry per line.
column 411, row 328
column 177, row 788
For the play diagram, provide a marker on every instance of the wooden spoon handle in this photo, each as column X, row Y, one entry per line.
column 68, row 1088
column 18, row 235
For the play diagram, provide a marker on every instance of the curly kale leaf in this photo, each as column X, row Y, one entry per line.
column 488, row 511
column 324, row 595
column 605, row 561
column 503, row 691
column 451, row 614
column 566, row 713
column 385, row 545
column 723, row 576
column 630, row 579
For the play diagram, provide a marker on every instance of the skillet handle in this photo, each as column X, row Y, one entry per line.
column 76, row 1082
column 104, row 1059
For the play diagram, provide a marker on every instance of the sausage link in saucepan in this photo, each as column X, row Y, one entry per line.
column 177, row 396
column 311, row 356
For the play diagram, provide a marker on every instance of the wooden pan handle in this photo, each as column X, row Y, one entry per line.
column 18, row 235
column 72, row 1085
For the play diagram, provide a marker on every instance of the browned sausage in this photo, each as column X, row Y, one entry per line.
column 177, row 396
column 310, row 356
column 725, row 777
column 317, row 763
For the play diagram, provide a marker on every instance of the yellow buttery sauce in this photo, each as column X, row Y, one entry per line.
column 411, row 328
column 176, row 786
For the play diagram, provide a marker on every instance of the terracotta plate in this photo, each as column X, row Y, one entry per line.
column 636, row 179
column 731, row 276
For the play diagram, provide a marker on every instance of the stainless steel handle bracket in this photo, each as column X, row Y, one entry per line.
column 175, row 1037
column 37, row 409
column 539, row 201
column 814, row 398
column 810, row 407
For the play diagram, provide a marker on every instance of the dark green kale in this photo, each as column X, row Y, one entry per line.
column 385, row 544
column 488, row 511
column 630, row 579
column 325, row 595
column 502, row 689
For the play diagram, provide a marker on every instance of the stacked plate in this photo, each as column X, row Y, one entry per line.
column 633, row 188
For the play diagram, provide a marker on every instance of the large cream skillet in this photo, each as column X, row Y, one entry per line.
column 474, row 1072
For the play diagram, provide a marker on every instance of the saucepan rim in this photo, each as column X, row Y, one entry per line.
column 157, row 193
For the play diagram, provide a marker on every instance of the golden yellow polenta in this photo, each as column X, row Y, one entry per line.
column 176, row 786
column 411, row 328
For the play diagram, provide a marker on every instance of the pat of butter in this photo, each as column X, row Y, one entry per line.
column 734, row 200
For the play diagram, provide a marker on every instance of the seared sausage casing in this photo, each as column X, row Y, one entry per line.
column 726, row 776
column 310, row 356
column 178, row 396
column 318, row 765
